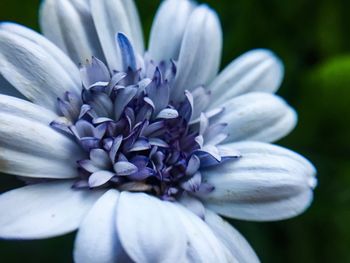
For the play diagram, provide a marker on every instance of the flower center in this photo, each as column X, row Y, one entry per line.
column 135, row 136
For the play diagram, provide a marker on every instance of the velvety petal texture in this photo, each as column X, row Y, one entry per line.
column 97, row 240
column 256, row 70
column 69, row 24
column 64, row 61
column 200, row 51
column 231, row 238
column 114, row 16
column 135, row 24
column 43, row 210
column 164, row 43
column 7, row 89
column 257, row 116
column 26, row 109
column 202, row 244
column 267, row 183
column 34, row 66
column 29, row 146
column 149, row 229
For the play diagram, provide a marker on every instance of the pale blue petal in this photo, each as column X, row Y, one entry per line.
column 200, row 52
column 256, row 70
column 164, row 43
column 258, row 117
column 69, row 24
column 44, row 210
column 268, row 183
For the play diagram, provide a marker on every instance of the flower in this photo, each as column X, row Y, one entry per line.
column 138, row 150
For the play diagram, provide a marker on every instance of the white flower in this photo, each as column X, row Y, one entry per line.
column 140, row 155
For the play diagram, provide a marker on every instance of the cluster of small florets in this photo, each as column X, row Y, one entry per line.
column 137, row 138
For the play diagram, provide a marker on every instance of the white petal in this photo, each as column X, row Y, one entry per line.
column 26, row 109
column 43, row 210
column 56, row 53
column 192, row 204
column 256, row 70
column 25, row 164
column 135, row 25
column 97, row 239
column 164, row 43
column 231, row 238
column 111, row 17
column 69, row 24
column 50, row 25
column 202, row 244
column 31, row 148
column 200, row 52
column 267, row 183
column 149, row 229
column 7, row 89
column 34, row 69
column 257, row 116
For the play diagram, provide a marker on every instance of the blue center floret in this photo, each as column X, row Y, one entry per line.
column 135, row 136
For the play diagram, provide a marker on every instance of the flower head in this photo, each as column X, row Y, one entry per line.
column 138, row 150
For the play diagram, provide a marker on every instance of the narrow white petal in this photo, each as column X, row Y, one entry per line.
column 33, row 70
column 50, row 24
column 231, row 238
column 66, row 63
column 43, row 210
column 26, row 109
column 97, row 240
column 200, row 51
column 149, row 229
column 111, row 17
column 267, row 183
column 34, row 137
column 202, row 244
column 256, row 70
column 69, row 24
column 257, row 116
column 31, row 148
column 135, row 24
column 25, row 164
column 164, row 43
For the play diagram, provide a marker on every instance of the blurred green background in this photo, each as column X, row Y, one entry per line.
column 313, row 39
